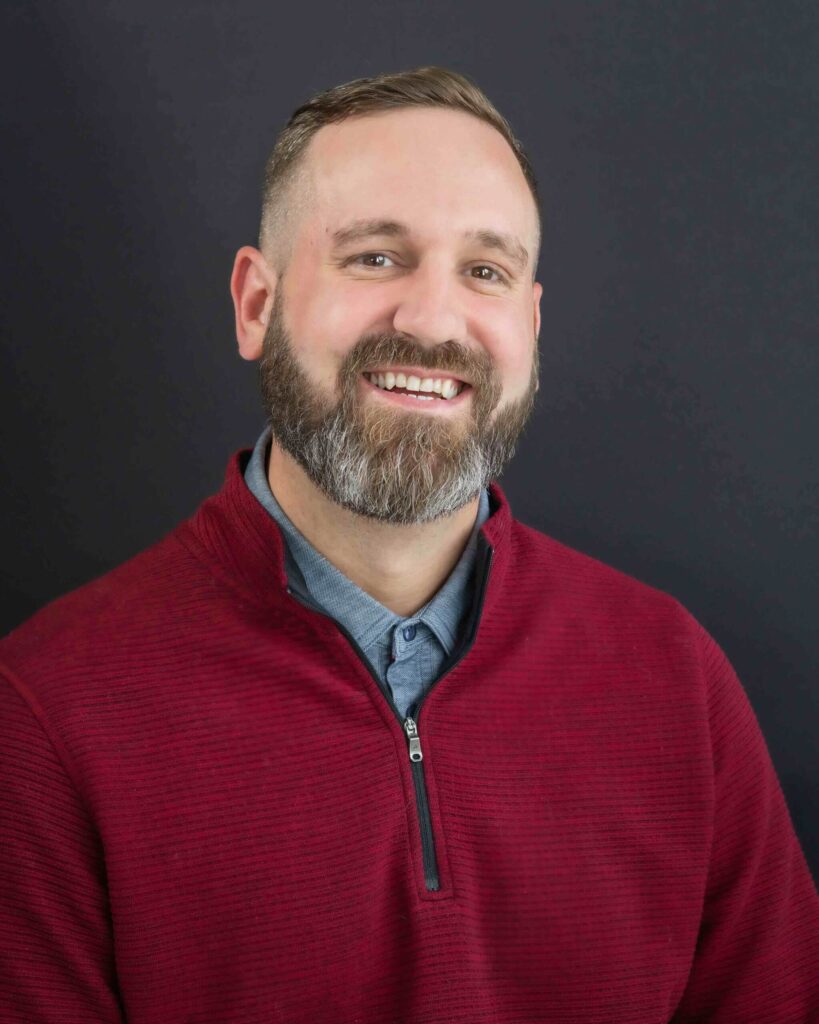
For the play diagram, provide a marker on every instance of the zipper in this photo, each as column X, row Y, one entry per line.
column 422, row 804
column 410, row 723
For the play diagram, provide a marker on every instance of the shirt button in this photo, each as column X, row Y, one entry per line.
column 409, row 632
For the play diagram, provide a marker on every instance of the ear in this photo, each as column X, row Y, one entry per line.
column 537, row 291
column 253, row 287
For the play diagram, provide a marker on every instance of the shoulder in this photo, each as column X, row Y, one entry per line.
column 94, row 624
column 605, row 619
column 571, row 579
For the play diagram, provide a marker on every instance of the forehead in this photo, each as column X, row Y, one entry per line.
column 436, row 170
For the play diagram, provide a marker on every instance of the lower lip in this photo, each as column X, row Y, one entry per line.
column 436, row 406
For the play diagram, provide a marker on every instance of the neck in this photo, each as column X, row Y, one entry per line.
column 400, row 566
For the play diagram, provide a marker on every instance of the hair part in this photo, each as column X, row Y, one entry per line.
column 421, row 87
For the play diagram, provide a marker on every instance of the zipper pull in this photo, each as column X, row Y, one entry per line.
column 411, row 730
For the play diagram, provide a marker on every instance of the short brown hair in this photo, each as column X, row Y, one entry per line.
column 422, row 87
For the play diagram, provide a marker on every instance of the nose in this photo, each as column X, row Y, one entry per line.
column 428, row 307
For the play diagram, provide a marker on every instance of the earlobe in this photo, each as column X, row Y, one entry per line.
column 252, row 287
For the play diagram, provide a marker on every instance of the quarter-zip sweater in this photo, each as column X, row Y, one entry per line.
column 209, row 813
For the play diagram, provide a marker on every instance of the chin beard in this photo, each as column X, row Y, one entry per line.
column 391, row 465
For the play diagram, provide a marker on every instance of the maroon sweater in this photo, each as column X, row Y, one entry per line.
column 209, row 813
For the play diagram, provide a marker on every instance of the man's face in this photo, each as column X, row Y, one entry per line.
column 411, row 261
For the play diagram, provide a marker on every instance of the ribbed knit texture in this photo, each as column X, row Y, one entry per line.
column 208, row 815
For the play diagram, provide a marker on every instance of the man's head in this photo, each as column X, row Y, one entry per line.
column 399, row 234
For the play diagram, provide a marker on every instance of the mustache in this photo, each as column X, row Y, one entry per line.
column 449, row 357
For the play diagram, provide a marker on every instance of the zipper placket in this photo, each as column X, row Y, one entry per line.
column 410, row 723
column 428, row 855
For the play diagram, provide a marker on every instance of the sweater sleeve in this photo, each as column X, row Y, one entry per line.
column 757, row 955
column 56, row 942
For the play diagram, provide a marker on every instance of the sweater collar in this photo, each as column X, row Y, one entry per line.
column 231, row 531
column 368, row 621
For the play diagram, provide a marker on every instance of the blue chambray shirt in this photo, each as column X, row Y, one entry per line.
column 405, row 654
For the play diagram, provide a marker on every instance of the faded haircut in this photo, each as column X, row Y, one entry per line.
column 421, row 87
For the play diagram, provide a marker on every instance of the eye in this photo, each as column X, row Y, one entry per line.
column 483, row 272
column 372, row 260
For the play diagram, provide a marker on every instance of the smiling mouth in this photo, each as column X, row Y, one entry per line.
column 428, row 389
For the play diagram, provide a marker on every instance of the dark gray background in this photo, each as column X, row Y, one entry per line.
column 677, row 424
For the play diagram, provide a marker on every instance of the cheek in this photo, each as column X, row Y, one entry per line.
column 330, row 320
column 511, row 345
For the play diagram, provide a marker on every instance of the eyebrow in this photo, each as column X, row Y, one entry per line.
column 510, row 246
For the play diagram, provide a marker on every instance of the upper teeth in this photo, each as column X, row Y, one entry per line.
column 444, row 386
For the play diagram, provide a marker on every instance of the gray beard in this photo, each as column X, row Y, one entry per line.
column 395, row 466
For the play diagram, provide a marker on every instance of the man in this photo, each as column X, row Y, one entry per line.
column 352, row 743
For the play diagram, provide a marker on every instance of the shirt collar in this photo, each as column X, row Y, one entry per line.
column 366, row 619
